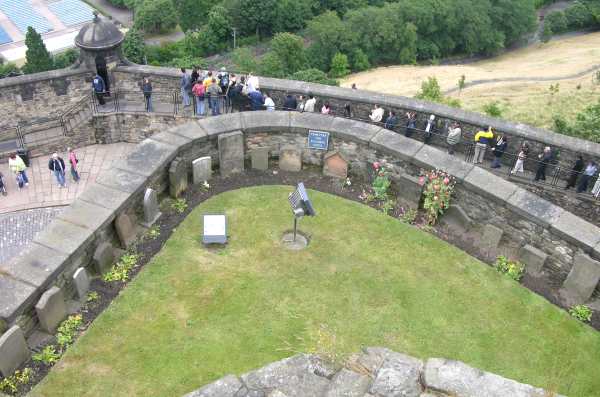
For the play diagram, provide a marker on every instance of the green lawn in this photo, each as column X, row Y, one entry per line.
column 192, row 315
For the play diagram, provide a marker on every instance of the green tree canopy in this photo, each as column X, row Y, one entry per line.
column 258, row 16
column 339, row 65
column 156, row 16
column 134, row 48
column 37, row 57
column 192, row 13
column 289, row 48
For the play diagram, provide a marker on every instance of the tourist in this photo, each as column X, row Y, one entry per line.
column 57, row 167
column 309, row 106
column 252, row 83
column 230, row 93
column 499, row 149
column 588, row 174
column 2, row 185
column 347, row 110
column 256, row 100
column 195, row 75
column 18, row 167
column 185, row 86
column 147, row 90
column 411, row 124
column 353, row 86
column 223, row 77
column 214, row 92
column 99, row 87
column 199, row 90
column 454, row 137
column 238, row 100
column 377, row 114
column 73, row 161
column 290, row 102
column 429, row 129
column 521, row 157
column 544, row 159
column 301, row 103
column 326, row 109
column 575, row 171
column 269, row 103
column 391, row 121
column 482, row 139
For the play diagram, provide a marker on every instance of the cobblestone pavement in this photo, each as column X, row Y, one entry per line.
column 17, row 229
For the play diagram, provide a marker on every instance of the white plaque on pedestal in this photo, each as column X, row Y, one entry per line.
column 215, row 229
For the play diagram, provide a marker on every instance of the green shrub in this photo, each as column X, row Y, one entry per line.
column 512, row 269
column 360, row 61
column 179, row 205
column 431, row 91
column 579, row 16
column 92, row 297
column 409, row 216
column 11, row 384
column 120, row 271
column 47, row 356
column 67, row 330
column 493, row 109
column 153, row 232
column 581, row 312
column 134, row 47
column 339, row 65
column 557, row 21
column 155, row 16
column 313, row 76
column 437, row 193
column 66, row 58
column 382, row 181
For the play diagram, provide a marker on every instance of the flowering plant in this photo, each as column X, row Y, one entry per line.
column 439, row 186
column 382, row 182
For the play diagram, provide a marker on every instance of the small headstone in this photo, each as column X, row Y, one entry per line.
column 178, row 177
column 125, row 230
column 231, row 153
column 201, row 169
column 290, row 159
column 581, row 281
column 456, row 216
column 104, row 257
column 533, row 258
column 490, row 240
column 260, row 158
column 151, row 208
column 335, row 165
column 409, row 190
column 81, row 279
column 13, row 350
column 51, row 309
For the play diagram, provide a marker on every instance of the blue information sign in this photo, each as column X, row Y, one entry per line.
column 318, row 140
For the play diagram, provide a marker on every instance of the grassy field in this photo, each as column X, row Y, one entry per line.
column 527, row 102
column 193, row 315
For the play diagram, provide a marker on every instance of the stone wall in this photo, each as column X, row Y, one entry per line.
column 376, row 371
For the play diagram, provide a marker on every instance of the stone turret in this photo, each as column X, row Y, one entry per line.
column 99, row 43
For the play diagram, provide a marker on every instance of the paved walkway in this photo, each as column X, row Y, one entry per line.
column 43, row 191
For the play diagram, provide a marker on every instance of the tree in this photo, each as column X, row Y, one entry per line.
column 134, row 48
column 289, row 48
column 313, row 76
column 66, row 58
column 192, row 13
column 37, row 57
column 327, row 32
column 339, row 65
column 155, row 16
column 213, row 37
column 431, row 91
column 556, row 21
column 244, row 60
column 292, row 15
column 360, row 60
column 579, row 16
column 271, row 66
column 258, row 16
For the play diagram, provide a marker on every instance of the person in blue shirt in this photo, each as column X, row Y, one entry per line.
column 256, row 100
column 99, row 88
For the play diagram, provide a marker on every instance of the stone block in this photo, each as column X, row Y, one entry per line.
column 431, row 158
column 348, row 384
column 81, row 279
column 14, row 295
column 534, row 208
column 458, row 379
column 389, row 142
column 13, row 350
column 104, row 196
column 231, row 153
column 201, row 170
column 353, row 130
column 36, row 264
column 409, row 190
column 456, row 216
column 581, row 281
column 576, row 231
column 64, row 236
column 260, row 158
column 51, row 309
column 227, row 386
column 290, row 159
column 178, row 177
column 399, row 375
column 490, row 237
column 533, row 258
column 147, row 158
column 151, row 208
column 104, row 257
column 88, row 215
column 125, row 230
column 335, row 165
column 121, row 180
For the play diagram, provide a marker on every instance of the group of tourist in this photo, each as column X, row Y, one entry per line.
column 56, row 165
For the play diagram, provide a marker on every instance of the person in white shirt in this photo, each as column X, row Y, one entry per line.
column 377, row 114
column 252, row 83
column 309, row 106
column 269, row 103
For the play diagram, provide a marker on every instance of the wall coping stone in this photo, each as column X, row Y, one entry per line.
column 15, row 294
column 430, row 157
column 534, row 208
column 64, row 237
column 122, row 180
column 36, row 265
column 389, row 142
column 42, row 76
column 104, row 196
column 88, row 215
column 489, row 185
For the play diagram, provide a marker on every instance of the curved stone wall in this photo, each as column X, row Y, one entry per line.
column 86, row 230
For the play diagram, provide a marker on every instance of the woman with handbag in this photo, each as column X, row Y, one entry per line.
column 73, row 161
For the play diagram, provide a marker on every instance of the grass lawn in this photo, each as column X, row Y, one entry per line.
column 193, row 315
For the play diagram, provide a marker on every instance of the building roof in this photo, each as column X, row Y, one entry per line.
column 99, row 34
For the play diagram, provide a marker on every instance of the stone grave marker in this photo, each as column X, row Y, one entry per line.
column 178, row 177
column 125, row 230
column 231, row 153
column 490, row 240
column 260, row 158
column 51, row 309
column 410, row 191
column 581, row 281
column 201, row 169
column 335, row 165
column 456, row 216
column 13, row 350
column 104, row 257
column 290, row 159
column 151, row 208
column 81, row 279
column 533, row 258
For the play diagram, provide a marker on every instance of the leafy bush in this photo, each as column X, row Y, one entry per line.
column 11, row 384
column 155, row 16
column 120, row 271
column 48, row 355
column 579, row 16
column 431, row 91
column 66, row 58
column 360, row 60
column 179, row 205
column 339, row 65
column 512, row 269
column 153, row 232
column 437, row 193
column 586, row 125
column 134, row 48
column 67, row 330
column 9, row 69
column 581, row 312
column 289, row 48
column 557, row 21
column 493, row 109
column 244, row 60
column 409, row 216
column 37, row 57
column 92, row 297
column 313, row 76
column 382, row 181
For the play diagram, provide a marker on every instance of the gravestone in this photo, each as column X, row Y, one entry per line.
column 51, row 309
column 335, row 165
column 456, row 216
column 104, row 257
column 231, row 153
column 490, row 240
column 125, row 230
column 13, row 350
column 533, row 258
column 81, row 279
column 201, row 170
column 409, row 190
column 260, row 158
column 178, row 177
column 581, row 281
column 290, row 159
column 151, row 208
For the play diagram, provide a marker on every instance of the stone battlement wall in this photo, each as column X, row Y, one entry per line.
column 551, row 240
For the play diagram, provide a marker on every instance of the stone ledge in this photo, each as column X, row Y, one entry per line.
column 389, row 142
column 36, row 265
column 14, row 296
column 42, row 76
column 533, row 207
column 253, row 122
column 148, row 157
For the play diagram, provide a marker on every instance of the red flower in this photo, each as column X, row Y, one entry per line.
column 376, row 165
column 446, row 180
column 421, row 180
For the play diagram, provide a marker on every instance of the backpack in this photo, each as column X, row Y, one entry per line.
column 225, row 80
column 98, row 84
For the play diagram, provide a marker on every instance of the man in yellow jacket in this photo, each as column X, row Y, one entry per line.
column 482, row 140
column 17, row 166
